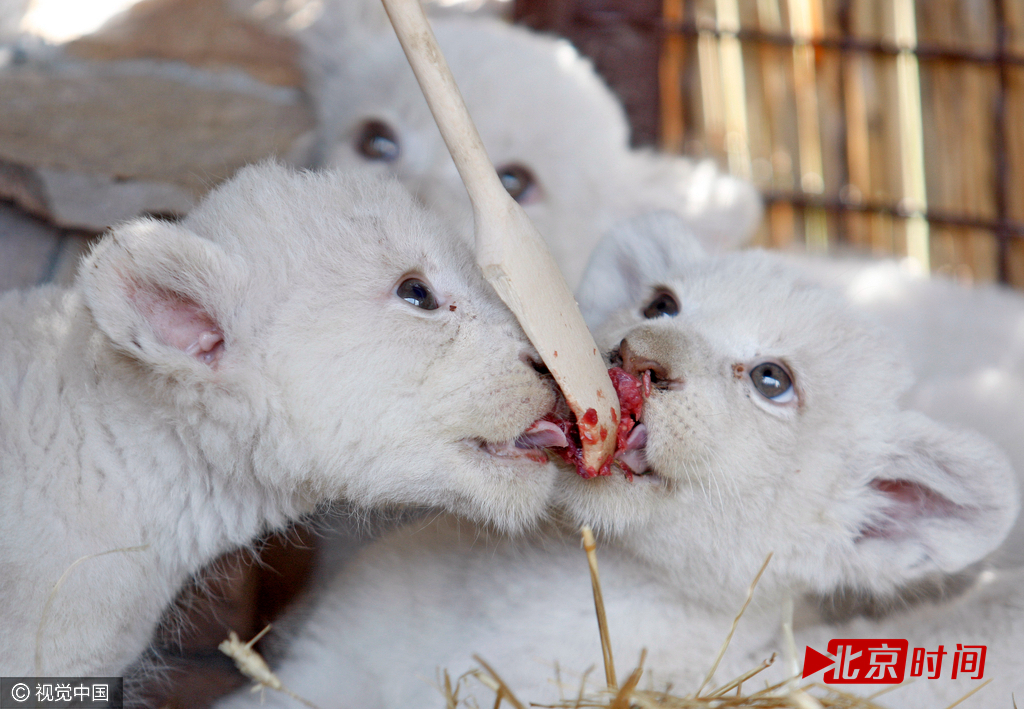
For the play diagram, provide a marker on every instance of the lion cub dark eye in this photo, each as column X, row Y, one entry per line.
column 418, row 293
column 518, row 181
column 773, row 382
column 663, row 304
column 377, row 141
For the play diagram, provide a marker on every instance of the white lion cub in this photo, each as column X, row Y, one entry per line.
column 965, row 346
column 773, row 425
column 558, row 137
column 299, row 337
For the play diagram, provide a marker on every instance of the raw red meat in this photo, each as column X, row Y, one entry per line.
column 631, row 392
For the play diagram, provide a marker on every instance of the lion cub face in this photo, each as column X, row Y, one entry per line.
column 325, row 334
column 774, row 424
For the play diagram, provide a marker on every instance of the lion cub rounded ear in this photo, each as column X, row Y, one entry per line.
column 941, row 499
column 634, row 255
column 724, row 211
column 162, row 294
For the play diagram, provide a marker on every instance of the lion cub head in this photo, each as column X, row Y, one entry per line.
column 774, row 424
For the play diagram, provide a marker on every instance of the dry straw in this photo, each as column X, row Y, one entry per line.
column 783, row 695
column 48, row 606
column 251, row 664
column 590, row 547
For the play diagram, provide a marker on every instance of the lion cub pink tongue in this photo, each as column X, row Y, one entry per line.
column 631, row 392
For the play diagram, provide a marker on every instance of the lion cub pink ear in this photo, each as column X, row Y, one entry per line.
column 161, row 294
column 940, row 499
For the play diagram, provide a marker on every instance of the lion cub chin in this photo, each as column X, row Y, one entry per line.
column 773, row 425
column 300, row 337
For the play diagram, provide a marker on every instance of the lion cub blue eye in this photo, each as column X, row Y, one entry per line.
column 663, row 304
column 377, row 141
column 773, row 382
column 418, row 293
column 518, row 181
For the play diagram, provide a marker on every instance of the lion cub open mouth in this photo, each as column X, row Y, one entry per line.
column 563, row 433
column 530, row 444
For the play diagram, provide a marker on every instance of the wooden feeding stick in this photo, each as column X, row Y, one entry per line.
column 511, row 253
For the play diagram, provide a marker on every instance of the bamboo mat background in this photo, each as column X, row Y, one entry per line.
column 887, row 126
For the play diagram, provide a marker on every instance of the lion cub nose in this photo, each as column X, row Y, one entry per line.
column 637, row 365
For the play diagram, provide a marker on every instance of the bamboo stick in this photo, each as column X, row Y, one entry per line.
column 947, row 175
column 911, row 132
column 734, row 99
column 1016, row 265
column 670, row 75
column 1015, row 143
column 805, row 23
column 775, row 91
column 866, row 23
column 858, row 152
column 977, row 92
column 514, row 258
column 1014, row 15
column 712, row 101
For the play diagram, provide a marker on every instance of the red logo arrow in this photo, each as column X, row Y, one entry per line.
column 815, row 661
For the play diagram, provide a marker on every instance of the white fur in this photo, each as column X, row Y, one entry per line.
column 126, row 422
column 537, row 104
column 735, row 476
column 965, row 347
column 847, row 425
column 990, row 613
column 424, row 600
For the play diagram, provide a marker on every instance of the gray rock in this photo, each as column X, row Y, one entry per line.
column 33, row 252
column 95, row 201
column 89, row 144
column 28, row 248
column 207, row 34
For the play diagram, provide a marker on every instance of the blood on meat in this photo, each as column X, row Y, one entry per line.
column 631, row 392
